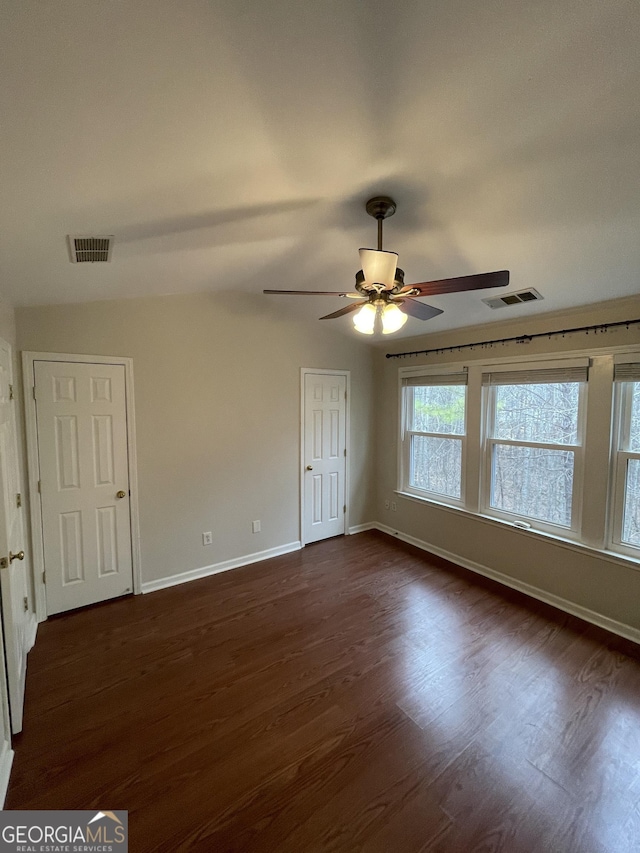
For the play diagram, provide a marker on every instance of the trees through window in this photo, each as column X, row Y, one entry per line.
column 435, row 416
column 532, row 444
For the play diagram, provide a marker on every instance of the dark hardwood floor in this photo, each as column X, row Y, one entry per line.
column 356, row 695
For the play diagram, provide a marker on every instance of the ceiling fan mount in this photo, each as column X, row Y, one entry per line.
column 388, row 301
column 381, row 207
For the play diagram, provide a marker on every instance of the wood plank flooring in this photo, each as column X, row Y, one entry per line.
column 357, row 695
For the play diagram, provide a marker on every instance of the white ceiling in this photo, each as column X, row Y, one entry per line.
column 230, row 146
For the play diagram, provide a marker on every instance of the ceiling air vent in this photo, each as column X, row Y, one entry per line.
column 516, row 298
column 90, row 250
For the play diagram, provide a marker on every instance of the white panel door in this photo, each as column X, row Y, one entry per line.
column 18, row 614
column 84, row 482
column 324, row 455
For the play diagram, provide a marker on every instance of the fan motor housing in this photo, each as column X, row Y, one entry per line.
column 397, row 284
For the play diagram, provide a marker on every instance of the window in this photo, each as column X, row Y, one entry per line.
column 533, row 451
column 510, row 441
column 434, row 435
column 626, row 514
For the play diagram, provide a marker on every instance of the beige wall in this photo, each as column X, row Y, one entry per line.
column 597, row 584
column 217, row 408
column 217, row 390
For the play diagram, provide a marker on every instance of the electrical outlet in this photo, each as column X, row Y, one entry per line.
column 387, row 504
column 394, row 506
column 207, row 538
column 255, row 526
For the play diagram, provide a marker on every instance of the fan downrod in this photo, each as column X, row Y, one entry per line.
column 381, row 207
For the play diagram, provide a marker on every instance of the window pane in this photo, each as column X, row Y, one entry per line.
column 436, row 464
column 439, row 408
column 631, row 525
column 547, row 413
column 634, row 427
column 533, row 482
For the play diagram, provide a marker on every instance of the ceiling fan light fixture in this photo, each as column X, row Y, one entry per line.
column 381, row 283
column 379, row 267
column 364, row 320
column 392, row 319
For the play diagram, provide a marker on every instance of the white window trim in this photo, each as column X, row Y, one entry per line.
column 619, row 460
column 405, row 443
column 597, row 516
column 573, row 531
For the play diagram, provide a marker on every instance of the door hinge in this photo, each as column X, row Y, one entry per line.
column 345, row 395
column 33, row 391
column 344, row 508
column 18, row 500
column 44, row 577
column 40, row 486
column 345, row 451
column 26, row 604
column 11, row 392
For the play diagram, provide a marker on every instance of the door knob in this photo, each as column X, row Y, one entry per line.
column 18, row 556
column 121, row 494
column 309, row 467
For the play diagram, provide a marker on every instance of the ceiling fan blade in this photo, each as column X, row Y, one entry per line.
column 418, row 309
column 316, row 293
column 379, row 267
column 464, row 282
column 346, row 310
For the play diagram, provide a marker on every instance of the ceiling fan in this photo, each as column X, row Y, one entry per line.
column 387, row 299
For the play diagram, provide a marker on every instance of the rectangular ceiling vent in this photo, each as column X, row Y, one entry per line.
column 516, row 298
column 90, row 250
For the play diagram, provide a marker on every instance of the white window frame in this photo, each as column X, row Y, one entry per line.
column 406, row 439
column 598, row 488
column 578, row 450
column 623, row 395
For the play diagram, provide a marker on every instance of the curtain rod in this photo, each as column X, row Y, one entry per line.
column 519, row 339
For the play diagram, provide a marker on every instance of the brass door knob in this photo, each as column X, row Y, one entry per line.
column 309, row 467
column 18, row 556
column 121, row 494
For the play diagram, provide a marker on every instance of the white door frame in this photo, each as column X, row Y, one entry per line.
column 328, row 372
column 35, row 509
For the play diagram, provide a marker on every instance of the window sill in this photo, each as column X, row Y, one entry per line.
column 563, row 542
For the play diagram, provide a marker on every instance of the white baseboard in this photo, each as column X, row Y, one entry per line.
column 6, row 760
column 215, row 568
column 619, row 628
column 360, row 528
